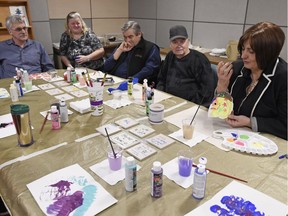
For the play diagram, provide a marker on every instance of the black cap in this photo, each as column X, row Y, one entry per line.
column 178, row 31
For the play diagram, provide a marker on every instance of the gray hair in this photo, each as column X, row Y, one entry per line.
column 132, row 24
column 10, row 20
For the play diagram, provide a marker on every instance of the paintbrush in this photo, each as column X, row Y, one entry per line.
column 223, row 174
column 198, row 108
column 44, row 122
column 110, row 143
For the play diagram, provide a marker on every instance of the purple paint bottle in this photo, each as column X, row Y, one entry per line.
column 156, row 180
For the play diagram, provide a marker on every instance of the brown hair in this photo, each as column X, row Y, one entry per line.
column 266, row 40
column 73, row 15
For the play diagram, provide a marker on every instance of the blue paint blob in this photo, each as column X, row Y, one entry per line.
column 89, row 192
column 235, row 206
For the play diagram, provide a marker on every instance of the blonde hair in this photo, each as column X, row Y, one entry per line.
column 73, row 15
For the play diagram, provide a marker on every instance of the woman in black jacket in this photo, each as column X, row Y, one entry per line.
column 258, row 82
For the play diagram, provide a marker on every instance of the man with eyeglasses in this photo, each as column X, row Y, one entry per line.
column 21, row 52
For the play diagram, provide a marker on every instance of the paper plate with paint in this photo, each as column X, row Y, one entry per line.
column 245, row 141
column 220, row 107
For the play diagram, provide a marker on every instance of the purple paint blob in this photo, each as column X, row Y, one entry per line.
column 66, row 204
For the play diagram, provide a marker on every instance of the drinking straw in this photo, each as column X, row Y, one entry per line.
column 198, row 108
column 110, row 143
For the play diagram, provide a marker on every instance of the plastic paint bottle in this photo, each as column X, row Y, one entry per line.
column 130, row 174
column 68, row 72
column 19, row 88
column 144, row 87
column 13, row 93
column 147, row 104
column 25, row 76
column 63, row 111
column 55, row 118
column 73, row 76
column 199, row 182
column 130, row 86
column 156, row 179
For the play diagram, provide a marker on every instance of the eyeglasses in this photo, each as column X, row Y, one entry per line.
column 20, row 29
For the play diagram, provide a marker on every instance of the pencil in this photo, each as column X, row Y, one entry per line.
column 223, row 174
column 84, row 76
column 104, row 78
column 44, row 122
column 89, row 78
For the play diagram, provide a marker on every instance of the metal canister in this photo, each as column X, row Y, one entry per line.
column 21, row 120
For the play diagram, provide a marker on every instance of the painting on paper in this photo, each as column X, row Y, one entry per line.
column 239, row 199
column 70, row 191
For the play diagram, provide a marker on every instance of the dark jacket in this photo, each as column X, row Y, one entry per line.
column 267, row 102
column 190, row 77
column 143, row 61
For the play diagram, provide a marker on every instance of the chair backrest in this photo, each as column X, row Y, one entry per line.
column 214, row 70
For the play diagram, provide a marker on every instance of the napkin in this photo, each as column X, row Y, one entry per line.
column 115, row 104
column 81, row 106
column 171, row 171
column 197, row 137
column 103, row 170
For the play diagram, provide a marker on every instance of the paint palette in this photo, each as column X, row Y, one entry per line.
column 245, row 141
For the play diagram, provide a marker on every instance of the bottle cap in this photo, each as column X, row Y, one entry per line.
column 53, row 108
column 201, row 168
column 62, row 102
column 130, row 161
column 202, row 160
column 157, row 166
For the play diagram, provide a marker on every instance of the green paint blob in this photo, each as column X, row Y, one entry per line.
column 243, row 136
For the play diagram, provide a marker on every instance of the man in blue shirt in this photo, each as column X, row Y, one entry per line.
column 135, row 57
column 22, row 52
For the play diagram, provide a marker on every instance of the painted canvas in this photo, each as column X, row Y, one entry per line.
column 70, row 191
column 239, row 199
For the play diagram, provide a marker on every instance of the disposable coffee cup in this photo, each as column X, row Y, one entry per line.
column 156, row 113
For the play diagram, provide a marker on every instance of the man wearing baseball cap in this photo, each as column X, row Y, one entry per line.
column 186, row 73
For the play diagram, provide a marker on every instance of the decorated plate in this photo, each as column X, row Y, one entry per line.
column 245, row 141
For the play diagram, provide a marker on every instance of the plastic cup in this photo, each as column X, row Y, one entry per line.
column 96, row 98
column 115, row 163
column 28, row 85
column 185, row 162
column 53, row 74
column 188, row 129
